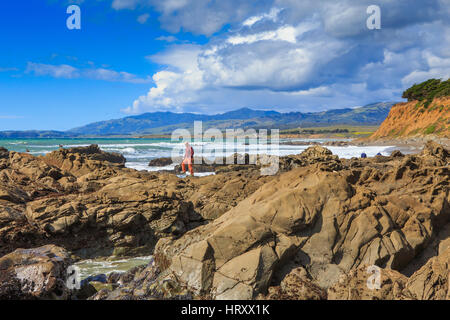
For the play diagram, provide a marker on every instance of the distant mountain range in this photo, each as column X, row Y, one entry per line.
column 166, row 122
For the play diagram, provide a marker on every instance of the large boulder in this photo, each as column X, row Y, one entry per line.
column 38, row 273
column 312, row 155
column 82, row 160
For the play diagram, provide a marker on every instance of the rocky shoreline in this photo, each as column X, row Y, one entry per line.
column 308, row 232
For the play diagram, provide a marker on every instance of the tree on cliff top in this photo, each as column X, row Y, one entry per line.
column 428, row 90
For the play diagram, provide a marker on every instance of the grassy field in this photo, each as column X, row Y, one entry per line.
column 335, row 131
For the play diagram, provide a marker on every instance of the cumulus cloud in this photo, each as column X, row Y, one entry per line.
column 177, row 85
column 295, row 55
column 197, row 16
column 65, row 71
column 435, row 67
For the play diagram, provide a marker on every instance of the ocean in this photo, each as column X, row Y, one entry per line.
column 138, row 152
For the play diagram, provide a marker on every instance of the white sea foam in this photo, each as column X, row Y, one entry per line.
column 196, row 174
column 144, row 166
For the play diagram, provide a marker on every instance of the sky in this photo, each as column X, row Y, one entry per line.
column 210, row 56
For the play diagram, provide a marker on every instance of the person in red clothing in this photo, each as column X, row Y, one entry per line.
column 188, row 159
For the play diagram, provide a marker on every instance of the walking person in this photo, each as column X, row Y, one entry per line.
column 188, row 159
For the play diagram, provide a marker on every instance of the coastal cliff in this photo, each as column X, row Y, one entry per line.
column 425, row 115
column 414, row 120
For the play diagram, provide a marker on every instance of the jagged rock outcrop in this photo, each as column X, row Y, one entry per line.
column 312, row 155
column 127, row 213
column 82, row 160
column 24, row 178
column 327, row 218
column 38, row 273
column 82, row 199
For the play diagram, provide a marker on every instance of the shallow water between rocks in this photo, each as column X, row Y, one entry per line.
column 93, row 267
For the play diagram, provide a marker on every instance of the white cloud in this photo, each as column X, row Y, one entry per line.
column 197, row 16
column 69, row 72
column 175, row 87
column 436, row 67
column 314, row 92
column 307, row 56
column 284, row 33
column 272, row 15
column 167, row 38
column 55, row 71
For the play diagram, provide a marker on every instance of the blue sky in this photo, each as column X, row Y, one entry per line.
column 135, row 56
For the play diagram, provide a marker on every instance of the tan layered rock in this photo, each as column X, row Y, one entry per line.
column 216, row 194
column 329, row 221
column 238, row 235
column 432, row 281
column 24, row 178
column 82, row 160
column 312, row 155
column 127, row 213
column 82, row 199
